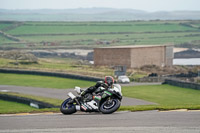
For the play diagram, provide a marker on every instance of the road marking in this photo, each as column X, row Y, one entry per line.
column 176, row 110
column 46, row 113
column 25, row 114
column 54, row 113
column 22, row 114
column 181, row 110
column 5, row 90
column 194, row 110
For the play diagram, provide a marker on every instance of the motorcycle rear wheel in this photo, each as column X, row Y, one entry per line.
column 110, row 106
column 67, row 108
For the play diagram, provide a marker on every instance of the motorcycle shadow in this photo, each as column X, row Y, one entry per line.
column 95, row 113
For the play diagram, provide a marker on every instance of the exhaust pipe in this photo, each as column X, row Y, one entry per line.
column 72, row 96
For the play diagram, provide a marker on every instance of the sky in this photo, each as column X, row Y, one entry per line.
column 146, row 5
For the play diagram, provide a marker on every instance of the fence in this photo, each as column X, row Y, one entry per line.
column 171, row 81
column 183, row 84
column 151, row 79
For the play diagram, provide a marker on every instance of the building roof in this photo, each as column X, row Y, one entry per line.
column 135, row 46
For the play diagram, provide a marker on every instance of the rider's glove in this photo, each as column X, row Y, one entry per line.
column 83, row 93
column 98, row 84
column 105, row 85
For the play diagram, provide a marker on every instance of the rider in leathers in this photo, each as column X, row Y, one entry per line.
column 107, row 83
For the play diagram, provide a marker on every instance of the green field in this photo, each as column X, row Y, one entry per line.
column 13, row 107
column 78, row 28
column 10, row 107
column 4, row 25
column 98, row 34
column 166, row 96
column 42, row 81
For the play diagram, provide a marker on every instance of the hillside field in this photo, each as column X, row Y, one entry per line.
column 37, row 35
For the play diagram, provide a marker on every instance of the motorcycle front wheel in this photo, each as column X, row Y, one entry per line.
column 109, row 106
column 67, row 108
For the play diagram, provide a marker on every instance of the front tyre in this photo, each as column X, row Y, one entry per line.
column 109, row 106
column 67, row 108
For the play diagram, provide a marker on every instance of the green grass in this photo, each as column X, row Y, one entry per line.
column 4, row 25
column 13, row 107
column 175, row 37
column 7, row 107
column 87, row 34
column 86, row 27
column 42, row 81
column 158, row 107
column 166, row 96
column 53, row 101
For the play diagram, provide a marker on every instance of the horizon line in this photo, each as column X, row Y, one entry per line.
column 96, row 8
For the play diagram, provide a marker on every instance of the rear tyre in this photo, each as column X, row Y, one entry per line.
column 67, row 108
column 109, row 106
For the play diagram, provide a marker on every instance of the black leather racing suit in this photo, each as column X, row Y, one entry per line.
column 94, row 88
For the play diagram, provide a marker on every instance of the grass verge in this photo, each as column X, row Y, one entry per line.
column 42, row 81
column 158, row 107
column 7, row 107
column 13, row 107
column 164, row 94
column 168, row 97
column 53, row 101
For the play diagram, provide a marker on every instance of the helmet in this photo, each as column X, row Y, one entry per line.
column 109, row 80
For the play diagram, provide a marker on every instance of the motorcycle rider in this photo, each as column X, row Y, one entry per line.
column 107, row 83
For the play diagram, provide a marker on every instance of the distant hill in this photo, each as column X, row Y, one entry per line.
column 190, row 53
column 94, row 14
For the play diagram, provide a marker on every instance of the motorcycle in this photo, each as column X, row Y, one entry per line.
column 102, row 100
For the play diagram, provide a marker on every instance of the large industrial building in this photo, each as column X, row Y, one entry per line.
column 134, row 56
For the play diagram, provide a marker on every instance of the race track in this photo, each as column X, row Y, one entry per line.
column 62, row 94
column 126, row 122
column 118, row 122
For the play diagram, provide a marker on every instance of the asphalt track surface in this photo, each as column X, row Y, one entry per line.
column 119, row 122
column 62, row 93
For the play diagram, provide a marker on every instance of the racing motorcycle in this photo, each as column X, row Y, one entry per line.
column 102, row 100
